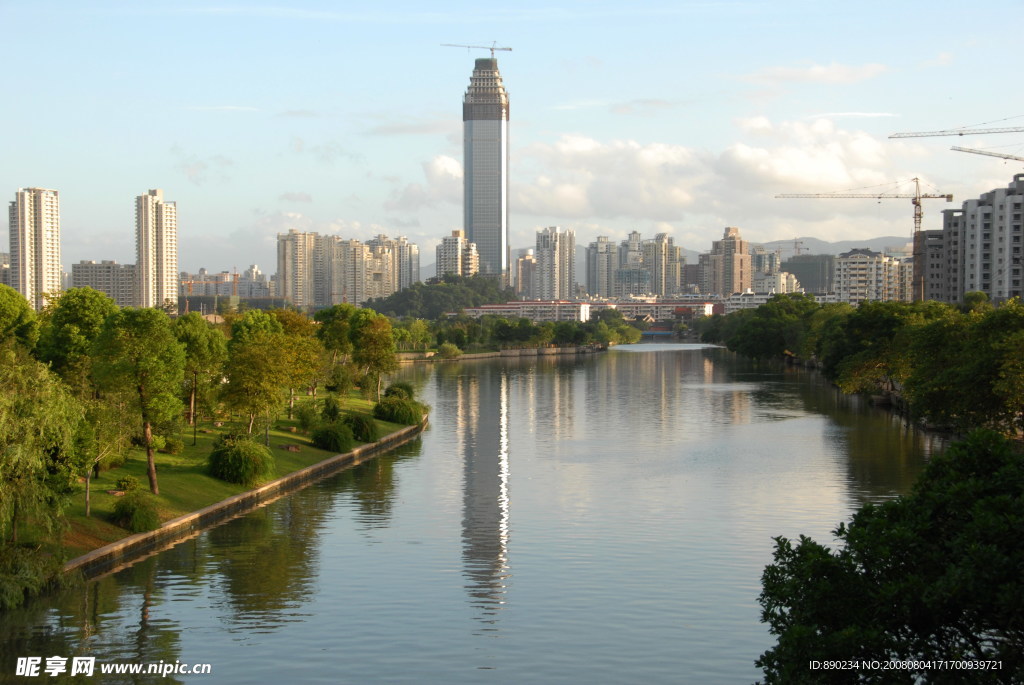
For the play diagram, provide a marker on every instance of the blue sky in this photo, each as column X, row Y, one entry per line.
column 685, row 117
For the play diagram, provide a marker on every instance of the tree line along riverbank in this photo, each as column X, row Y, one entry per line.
column 175, row 413
column 927, row 586
column 953, row 368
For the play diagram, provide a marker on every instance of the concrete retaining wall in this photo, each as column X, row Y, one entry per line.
column 128, row 550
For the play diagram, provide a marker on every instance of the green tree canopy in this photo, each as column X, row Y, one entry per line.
column 205, row 353
column 935, row 575
column 137, row 352
column 17, row 318
column 71, row 323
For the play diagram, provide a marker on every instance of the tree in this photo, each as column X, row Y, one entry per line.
column 205, row 352
column 375, row 348
column 137, row 351
column 71, row 324
column 257, row 374
column 934, row 575
column 17, row 319
column 39, row 420
column 335, row 331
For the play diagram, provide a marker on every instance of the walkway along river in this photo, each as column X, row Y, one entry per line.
column 601, row 518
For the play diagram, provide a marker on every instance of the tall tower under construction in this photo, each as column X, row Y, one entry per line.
column 485, row 140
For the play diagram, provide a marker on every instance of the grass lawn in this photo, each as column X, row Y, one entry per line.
column 184, row 483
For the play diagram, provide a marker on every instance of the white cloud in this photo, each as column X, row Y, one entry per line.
column 833, row 73
column 443, row 185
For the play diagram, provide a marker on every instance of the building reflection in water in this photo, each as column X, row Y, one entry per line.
column 482, row 423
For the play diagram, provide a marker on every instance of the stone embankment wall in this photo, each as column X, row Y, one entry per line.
column 128, row 550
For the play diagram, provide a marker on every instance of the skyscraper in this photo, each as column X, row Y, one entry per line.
column 35, row 244
column 485, row 146
column 156, row 247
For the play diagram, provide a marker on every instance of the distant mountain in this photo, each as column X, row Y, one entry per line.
column 816, row 246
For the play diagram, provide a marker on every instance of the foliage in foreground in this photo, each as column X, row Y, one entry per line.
column 136, row 511
column 398, row 410
column 238, row 459
column 935, row 575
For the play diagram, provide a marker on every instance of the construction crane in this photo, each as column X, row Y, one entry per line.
column 798, row 246
column 986, row 152
column 957, row 132
column 492, row 47
column 915, row 198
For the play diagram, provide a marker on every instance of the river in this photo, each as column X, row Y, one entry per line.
column 601, row 519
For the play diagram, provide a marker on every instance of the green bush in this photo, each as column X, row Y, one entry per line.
column 397, row 410
column 307, row 415
column 158, row 442
column 332, row 410
column 334, row 437
column 173, row 446
column 237, row 459
column 126, row 483
column 137, row 512
column 448, row 351
column 364, row 428
column 400, row 389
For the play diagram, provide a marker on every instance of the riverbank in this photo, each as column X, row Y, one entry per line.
column 113, row 556
column 431, row 356
column 190, row 499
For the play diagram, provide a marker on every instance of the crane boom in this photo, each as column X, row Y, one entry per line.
column 986, row 152
column 492, row 47
column 956, row 132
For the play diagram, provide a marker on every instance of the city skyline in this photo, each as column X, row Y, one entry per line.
column 258, row 118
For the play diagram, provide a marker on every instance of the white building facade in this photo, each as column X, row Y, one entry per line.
column 156, row 246
column 35, row 269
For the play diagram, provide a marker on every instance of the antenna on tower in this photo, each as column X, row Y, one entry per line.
column 493, row 46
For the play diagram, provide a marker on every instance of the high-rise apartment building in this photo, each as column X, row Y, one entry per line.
column 35, row 244
column 156, row 247
column 555, row 273
column 602, row 261
column 5, row 268
column 117, row 281
column 526, row 267
column 728, row 267
column 457, row 256
column 485, row 146
column 406, row 256
column 863, row 274
column 982, row 244
column 665, row 262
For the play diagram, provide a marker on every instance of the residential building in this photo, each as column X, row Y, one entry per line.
column 555, row 274
column 35, row 244
column 118, row 281
column 537, row 311
column 406, row 258
column 863, row 274
column 665, row 261
column 295, row 266
column 485, row 115
column 728, row 267
column 983, row 242
column 5, row 268
column 602, row 262
column 156, row 247
column 526, row 268
column 776, row 283
column 458, row 256
column 813, row 271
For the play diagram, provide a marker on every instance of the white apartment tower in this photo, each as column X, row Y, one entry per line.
column 485, row 148
column 555, row 273
column 35, row 269
column 458, row 256
column 156, row 246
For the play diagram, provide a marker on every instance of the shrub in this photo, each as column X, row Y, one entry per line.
column 137, row 512
column 449, row 351
column 397, row 410
column 237, row 459
column 173, row 446
column 307, row 415
column 334, row 437
column 126, row 483
column 158, row 442
column 400, row 389
column 332, row 410
column 364, row 428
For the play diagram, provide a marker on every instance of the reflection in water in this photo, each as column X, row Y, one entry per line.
column 648, row 485
column 481, row 406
